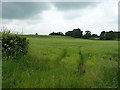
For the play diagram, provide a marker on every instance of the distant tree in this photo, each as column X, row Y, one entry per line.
column 110, row 35
column 94, row 35
column 77, row 33
column 69, row 33
column 58, row 33
column 102, row 35
column 87, row 35
column 36, row 33
column 52, row 33
column 117, row 34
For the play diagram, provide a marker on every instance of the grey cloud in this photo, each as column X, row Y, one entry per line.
column 22, row 10
column 0, row 10
column 73, row 5
column 71, row 16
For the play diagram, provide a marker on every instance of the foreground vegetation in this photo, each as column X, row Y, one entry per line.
column 13, row 46
column 63, row 62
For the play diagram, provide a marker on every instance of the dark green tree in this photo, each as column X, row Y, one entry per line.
column 102, row 35
column 58, row 33
column 87, row 35
column 77, row 33
column 110, row 35
column 69, row 33
column 94, row 35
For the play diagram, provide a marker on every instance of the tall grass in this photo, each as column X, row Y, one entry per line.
column 53, row 62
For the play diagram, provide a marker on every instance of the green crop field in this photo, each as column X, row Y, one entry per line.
column 63, row 62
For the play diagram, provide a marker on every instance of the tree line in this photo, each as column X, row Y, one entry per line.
column 78, row 33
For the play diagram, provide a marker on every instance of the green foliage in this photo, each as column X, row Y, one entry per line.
column 58, row 33
column 102, row 35
column 94, row 36
column 69, row 33
column 108, row 35
column 77, row 33
column 87, row 35
column 13, row 46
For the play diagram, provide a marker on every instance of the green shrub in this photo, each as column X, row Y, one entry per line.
column 13, row 46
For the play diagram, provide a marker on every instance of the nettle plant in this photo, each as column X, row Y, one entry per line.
column 13, row 46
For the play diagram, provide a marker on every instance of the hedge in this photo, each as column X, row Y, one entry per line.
column 14, row 46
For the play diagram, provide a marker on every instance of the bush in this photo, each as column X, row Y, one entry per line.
column 13, row 46
column 58, row 33
column 109, row 35
column 76, row 33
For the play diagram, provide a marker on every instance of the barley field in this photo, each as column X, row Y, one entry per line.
column 63, row 62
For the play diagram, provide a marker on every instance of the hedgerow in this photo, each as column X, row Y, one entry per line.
column 13, row 46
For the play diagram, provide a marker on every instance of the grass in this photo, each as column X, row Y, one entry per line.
column 63, row 62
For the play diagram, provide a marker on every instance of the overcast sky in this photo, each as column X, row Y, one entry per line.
column 46, row 17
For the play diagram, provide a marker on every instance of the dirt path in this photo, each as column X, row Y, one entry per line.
column 81, row 69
